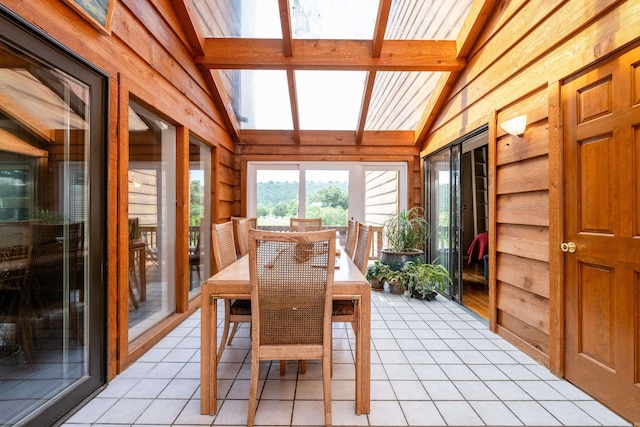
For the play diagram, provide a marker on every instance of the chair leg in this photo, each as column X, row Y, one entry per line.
column 225, row 330
column 326, row 388
column 253, row 389
column 233, row 332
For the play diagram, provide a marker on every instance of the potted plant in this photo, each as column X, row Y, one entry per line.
column 376, row 274
column 424, row 279
column 396, row 280
column 405, row 235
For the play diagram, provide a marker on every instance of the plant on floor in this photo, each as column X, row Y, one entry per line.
column 376, row 274
column 423, row 279
column 405, row 235
column 396, row 280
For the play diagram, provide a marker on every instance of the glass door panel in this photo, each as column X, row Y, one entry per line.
column 199, row 215
column 51, row 317
column 277, row 193
column 152, row 218
column 327, row 196
column 441, row 184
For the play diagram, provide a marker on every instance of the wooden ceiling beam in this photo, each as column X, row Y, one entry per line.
column 285, row 24
column 214, row 81
column 190, row 26
column 381, row 27
column 366, row 102
column 293, row 100
column 351, row 55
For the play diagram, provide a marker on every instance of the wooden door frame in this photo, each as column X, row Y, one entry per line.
column 556, row 230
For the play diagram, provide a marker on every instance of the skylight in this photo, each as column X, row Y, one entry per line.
column 332, row 70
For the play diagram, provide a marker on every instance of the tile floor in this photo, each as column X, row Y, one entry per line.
column 433, row 364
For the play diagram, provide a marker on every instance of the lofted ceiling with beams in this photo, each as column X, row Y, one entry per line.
column 292, row 69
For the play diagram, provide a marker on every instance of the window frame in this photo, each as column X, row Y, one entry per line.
column 356, row 181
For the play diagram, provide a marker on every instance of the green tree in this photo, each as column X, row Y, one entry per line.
column 262, row 211
column 331, row 196
column 196, row 207
column 281, row 209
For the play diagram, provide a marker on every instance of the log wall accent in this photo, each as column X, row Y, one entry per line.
column 514, row 68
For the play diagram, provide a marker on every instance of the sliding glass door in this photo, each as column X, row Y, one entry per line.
column 442, row 187
column 52, row 232
column 456, row 206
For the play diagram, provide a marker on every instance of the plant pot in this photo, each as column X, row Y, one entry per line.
column 396, row 288
column 428, row 296
column 377, row 285
column 396, row 260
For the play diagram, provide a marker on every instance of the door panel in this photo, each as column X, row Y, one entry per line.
column 601, row 215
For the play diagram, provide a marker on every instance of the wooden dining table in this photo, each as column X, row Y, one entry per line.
column 233, row 282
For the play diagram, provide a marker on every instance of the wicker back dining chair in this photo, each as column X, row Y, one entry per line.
column 236, row 311
column 291, row 295
column 362, row 248
column 241, row 226
column 346, row 310
column 305, row 224
column 350, row 241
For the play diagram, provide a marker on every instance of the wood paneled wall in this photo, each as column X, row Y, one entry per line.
column 147, row 53
column 525, row 50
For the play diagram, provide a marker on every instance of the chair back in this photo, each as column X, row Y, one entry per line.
column 305, row 224
column 376, row 242
column 350, row 242
column 242, row 228
column 363, row 247
column 291, row 286
column 223, row 245
column 241, row 233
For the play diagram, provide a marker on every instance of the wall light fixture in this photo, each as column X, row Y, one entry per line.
column 515, row 126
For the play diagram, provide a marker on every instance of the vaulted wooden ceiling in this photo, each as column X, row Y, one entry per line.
column 398, row 60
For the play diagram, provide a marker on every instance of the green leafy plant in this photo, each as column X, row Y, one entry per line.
column 406, row 231
column 424, row 278
column 377, row 274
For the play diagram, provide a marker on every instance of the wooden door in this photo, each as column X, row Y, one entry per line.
column 602, row 217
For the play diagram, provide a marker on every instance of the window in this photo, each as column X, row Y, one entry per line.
column 333, row 191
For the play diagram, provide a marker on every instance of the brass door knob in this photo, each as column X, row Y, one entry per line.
column 568, row 247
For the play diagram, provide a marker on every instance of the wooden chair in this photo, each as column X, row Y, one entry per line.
column 195, row 250
column 291, row 301
column 236, row 311
column 346, row 310
column 362, row 248
column 305, row 224
column 376, row 242
column 350, row 241
column 241, row 228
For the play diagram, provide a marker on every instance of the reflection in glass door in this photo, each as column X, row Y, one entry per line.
column 199, row 214
column 51, row 285
column 152, row 219
column 442, row 188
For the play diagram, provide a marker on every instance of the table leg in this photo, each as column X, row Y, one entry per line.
column 208, row 355
column 363, row 350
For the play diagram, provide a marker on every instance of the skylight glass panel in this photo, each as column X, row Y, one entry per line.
column 399, row 99
column 239, row 18
column 426, row 19
column 329, row 100
column 261, row 99
column 333, row 19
